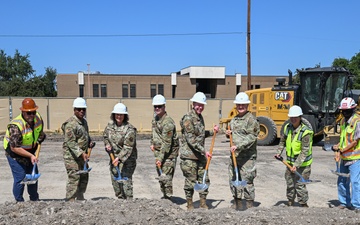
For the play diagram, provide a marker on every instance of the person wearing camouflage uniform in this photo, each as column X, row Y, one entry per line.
column 192, row 149
column 244, row 129
column 165, row 145
column 75, row 151
column 297, row 139
column 23, row 134
column 120, row 139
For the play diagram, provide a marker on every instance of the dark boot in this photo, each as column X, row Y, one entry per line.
column 304, row 205
column 190, row 205
column 237, row 204
column 249, row 204
column 203, row 203
column 80, row 196
column 290, row 203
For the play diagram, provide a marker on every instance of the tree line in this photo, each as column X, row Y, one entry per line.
column 17, row 77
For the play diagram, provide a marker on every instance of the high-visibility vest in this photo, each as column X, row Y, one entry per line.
column 347, row 136
column 29, row 136
column 293, row 145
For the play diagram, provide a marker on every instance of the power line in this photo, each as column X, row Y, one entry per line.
column 112, row 35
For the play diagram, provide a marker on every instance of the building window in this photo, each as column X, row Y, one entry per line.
column 95, row 90
column 125, row 91
column 152, row 90
column 161, row 89
column 132, row 90
column 103, row 91
column 257, row 86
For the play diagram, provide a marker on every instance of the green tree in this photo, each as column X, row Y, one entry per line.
column 17, row 77
column 353, row 65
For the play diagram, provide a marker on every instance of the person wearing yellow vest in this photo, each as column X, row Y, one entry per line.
column 349, row 149
column 22, row 136
column 297, row 139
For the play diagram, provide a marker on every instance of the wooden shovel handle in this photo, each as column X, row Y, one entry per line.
column 210, row 151
column 231, row 144
column 89, row 152
column 112, row 158
column 38, row 150
column 337, row 156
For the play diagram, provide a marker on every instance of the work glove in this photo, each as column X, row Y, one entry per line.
column 41, row 138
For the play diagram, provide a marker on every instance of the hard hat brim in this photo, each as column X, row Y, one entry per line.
column 28, row 110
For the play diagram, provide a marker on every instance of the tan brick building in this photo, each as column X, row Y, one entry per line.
column 178, row 85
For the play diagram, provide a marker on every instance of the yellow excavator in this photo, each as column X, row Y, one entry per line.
column 318, row 92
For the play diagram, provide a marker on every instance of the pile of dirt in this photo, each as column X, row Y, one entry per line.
column 145, row 211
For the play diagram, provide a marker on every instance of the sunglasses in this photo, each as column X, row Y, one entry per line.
column 80, row 109
column 158, row 106
column 31, row 113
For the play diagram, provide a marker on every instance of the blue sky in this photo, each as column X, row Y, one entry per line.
column 115, row 37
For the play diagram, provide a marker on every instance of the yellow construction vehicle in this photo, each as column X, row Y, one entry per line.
column 318, row 93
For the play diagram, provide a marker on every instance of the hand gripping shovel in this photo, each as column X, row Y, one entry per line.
column 33, row 177
column 302, row 179
column 202, row 187
column 86, row 169
column 337, row 171
column 236, row 183
column 117, row 178
column 162, row 177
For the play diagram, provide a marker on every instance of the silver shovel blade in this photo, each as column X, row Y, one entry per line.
column 239, row 184
column 83, row 171
column 308, row 181
column 30, row 179
column 200, row 187
column 122, row 180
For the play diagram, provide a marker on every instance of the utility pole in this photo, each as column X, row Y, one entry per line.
column 88, row 65
column 248, row 47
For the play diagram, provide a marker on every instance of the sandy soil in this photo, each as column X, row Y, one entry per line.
column 147, row 207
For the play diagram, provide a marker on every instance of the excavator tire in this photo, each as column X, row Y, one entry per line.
column 268, row 131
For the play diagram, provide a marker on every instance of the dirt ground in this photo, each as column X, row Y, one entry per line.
column 147, row 207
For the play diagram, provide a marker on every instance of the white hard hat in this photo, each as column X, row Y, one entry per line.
column 295, row 111
column 158, row 100
column 79, row 103
column 347, row 103
column 120, row 108
column 199, row 97
column 242, row 98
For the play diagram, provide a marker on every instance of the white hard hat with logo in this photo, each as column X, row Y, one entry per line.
column 347, row 103
column 79, row 103
column 120, row 108
column 295, row 111
column 242, row 98
column 158, row 100
column 199, row 97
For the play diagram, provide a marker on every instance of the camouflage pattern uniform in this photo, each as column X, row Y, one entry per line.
column 166, row 149
column 122, row 139
column 76, row 142
column 192, row 152
column 293, row 187
column 245, row 130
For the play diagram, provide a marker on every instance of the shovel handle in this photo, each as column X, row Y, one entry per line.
column 38, row 150
column 210, row 151
column 337, row 156
column 112, row 158
column 89, row 152
column 231, row 144
column 283, row 161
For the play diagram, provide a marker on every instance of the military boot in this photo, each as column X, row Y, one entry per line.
column 237, row 204
column 249, row 204
column 70, row 200
column 190, row 205
column 203, row 203
column 80, row 196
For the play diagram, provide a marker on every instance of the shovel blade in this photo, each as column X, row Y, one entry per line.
column 200, row 187
column 162, row 178
column 122, row 180
column 83, row 171
column 308, row 181
column 30, row 179
column 239, row 184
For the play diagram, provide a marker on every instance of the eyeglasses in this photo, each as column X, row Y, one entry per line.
column 31, row 113
column 80, row 109
column 158, row 106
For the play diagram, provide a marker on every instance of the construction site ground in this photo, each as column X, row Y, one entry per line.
column 147, row 207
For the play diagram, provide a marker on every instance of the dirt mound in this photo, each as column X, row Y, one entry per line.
column 145, row 211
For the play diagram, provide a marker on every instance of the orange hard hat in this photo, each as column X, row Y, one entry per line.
column 28, row 105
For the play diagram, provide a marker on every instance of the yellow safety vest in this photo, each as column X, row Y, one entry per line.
column 293, row 145
column 29, row 136
column 347, row 136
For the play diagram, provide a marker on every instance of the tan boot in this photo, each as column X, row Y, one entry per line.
column 237, row 204
column 249, row 204
column 190, row 205
column 203, row 203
